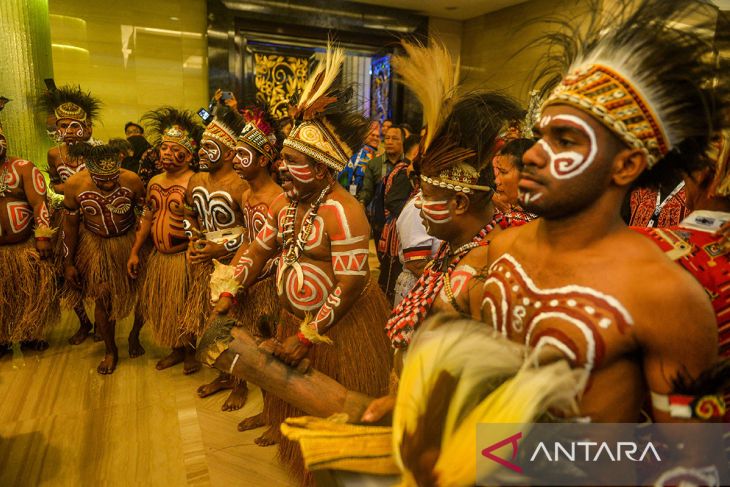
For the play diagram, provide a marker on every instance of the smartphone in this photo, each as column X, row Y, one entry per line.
column 50, row 84
column 205, row 115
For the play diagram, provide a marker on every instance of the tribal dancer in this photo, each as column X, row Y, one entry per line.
column 457, row 185
column 74, row 112
column 507, row 164
column 333, row 312
column 577, row 283
column 214, row 223
column 165, row 290
column 28, row 298
column 258, row 147
column 96, row 246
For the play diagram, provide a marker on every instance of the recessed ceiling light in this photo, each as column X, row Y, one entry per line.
column 174, row 18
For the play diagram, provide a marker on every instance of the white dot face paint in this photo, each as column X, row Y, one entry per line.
column 301, row 172
column 568, row 164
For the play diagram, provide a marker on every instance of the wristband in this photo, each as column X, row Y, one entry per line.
column 303, row 340
column 226, row 294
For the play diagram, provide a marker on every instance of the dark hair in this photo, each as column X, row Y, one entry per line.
column 402, row 132
column 516, row 148
column 406, row 127
column 412, row 140
column 132, row 124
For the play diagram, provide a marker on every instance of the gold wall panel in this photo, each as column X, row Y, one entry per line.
column 278, row 78
column 25, row 60
column 135, row 55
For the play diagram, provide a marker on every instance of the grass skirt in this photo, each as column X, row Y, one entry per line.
column 198, row 309
column 102, row 267
column 28, row 293
column 164, row 297
column 359, row 359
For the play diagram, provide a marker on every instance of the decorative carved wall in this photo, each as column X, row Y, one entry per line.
column 277, row 78
column 380, row 107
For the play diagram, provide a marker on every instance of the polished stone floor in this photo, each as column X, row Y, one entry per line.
column 62, row 424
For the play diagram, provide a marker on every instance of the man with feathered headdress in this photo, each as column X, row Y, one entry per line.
column 457, row 184
column 74, row 112
column 637, row 97
column 27, row 279
column 332, row 312
column 214, row 222
column 100, row 208
column 258, row 146
column 165, row 290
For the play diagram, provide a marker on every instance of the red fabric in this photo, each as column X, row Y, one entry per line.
column 643, row 204
column 710, row 266
column 388, row 243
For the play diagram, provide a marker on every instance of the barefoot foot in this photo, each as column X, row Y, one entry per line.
column 237, row 399
column 107, row 365
column 268, row 438
column 220, row 383
column 251, row 422
column 135, row 347
column 80, row 335
column 176, row 356
column 190, row 366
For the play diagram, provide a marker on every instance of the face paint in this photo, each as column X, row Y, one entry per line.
column 301, row 172
column 568, row 164
column 172, row 156
column 243, row 158
column 527, row 197
column 210, row 154
column 436, row 211
column 72, row 132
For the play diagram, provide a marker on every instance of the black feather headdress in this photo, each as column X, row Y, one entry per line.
column 461, row 129
column 71, row 102
column 225, row 127
column 262, row 131
column 167, row 124
column 101, row 160
column 648, row 72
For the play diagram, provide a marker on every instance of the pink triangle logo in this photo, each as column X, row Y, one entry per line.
column 510, row 440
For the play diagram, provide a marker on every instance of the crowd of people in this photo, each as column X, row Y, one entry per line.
column 592, row 232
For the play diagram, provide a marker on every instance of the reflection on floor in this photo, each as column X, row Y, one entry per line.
column 61, row 423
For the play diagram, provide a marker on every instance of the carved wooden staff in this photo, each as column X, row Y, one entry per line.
column 307, row 389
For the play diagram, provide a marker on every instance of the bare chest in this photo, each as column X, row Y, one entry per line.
column 107, row 214
column 589, row 327
column 216, row 208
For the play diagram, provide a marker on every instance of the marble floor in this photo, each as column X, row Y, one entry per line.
column 63, row 424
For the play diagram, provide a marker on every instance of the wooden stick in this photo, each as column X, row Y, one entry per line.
column 309, row 390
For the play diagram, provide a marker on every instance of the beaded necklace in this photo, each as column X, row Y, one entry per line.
column 293, row 247
column 413, row 308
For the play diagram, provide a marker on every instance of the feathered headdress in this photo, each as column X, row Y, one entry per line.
column 72, row 103
column 457, row 374
column 261, row 132
column 721, row 158
column 646, row 75
column 100, row 160
column 225, row 127
column 327, row 127
column 167, row 124
column 461, row 129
